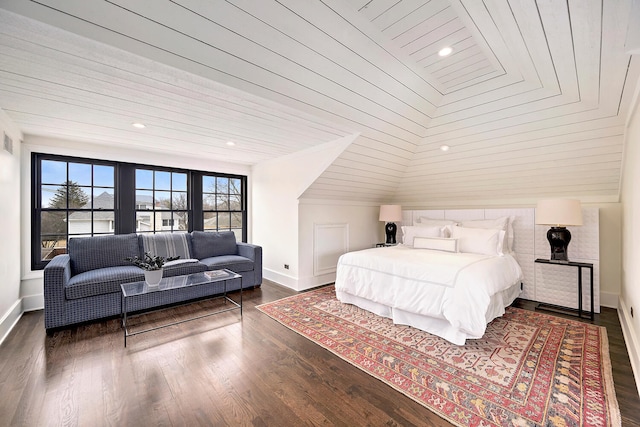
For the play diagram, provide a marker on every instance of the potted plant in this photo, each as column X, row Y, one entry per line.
column 152, row 266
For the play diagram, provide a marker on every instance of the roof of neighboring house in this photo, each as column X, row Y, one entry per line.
column 102, row 201
column 106, row 201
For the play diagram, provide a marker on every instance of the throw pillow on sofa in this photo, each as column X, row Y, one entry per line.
column 92, row 253
column 167, row 245
column 208, row 244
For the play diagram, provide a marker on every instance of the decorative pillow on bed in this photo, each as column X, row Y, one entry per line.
column 485, row 241
column 409, row 233
column 445, row 224
column 436, row 243
column 502, row 223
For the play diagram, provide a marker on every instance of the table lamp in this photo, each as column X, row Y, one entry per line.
column 558, row 213
column 389, row 214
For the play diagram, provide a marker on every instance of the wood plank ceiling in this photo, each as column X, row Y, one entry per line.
column 532, row 101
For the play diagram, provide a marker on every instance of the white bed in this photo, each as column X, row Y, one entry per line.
column 452, row 295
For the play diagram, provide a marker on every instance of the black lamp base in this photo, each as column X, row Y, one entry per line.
column 390, row 229
column 559, row 238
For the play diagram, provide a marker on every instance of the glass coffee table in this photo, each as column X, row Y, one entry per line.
column 207, row 278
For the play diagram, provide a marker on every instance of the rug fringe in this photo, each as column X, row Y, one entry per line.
column 614, row 408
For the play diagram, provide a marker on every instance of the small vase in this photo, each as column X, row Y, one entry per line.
column 153, row 277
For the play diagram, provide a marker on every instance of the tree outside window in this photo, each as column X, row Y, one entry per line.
column 74, row 199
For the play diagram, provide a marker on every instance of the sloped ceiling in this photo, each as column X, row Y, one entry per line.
column 532, row 102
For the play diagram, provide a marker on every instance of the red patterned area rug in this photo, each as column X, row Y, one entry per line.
column 529, row 369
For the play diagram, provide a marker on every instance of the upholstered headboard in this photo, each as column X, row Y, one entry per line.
column 542, row 282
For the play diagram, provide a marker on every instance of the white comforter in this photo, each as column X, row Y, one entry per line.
column 455, row 287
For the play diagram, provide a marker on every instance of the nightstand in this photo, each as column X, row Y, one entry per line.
column 384, row 245
column 579, row 266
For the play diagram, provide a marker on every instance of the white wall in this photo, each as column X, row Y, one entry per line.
column 277, row 186
column 364, row 231
column 31, row 288
column 10, row 303
column 275, row 222
column 630, row 196
column 610, row 253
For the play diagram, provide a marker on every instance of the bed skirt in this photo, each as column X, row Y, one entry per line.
column 435, row 325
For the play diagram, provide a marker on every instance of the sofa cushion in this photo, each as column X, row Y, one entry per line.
column 167, row 244
column 234, row 263
column 208, row 244
column 101, row 281
column 182, row 267
column 91, row 253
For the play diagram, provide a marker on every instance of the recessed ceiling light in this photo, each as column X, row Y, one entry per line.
column 231, row 143
column 444, row 148
column 138, row 125
column 445, row 51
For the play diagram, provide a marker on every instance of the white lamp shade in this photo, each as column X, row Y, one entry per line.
column 559, row 212
column 390, row 213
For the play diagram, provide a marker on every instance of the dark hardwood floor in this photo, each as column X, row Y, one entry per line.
column 220, row 370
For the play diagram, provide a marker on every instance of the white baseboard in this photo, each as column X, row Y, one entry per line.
column 631, row 341
column 281, row 279
column 298, row 284
column 609, row 299
column 33, row 302
column 10, row 319
column 315, row 281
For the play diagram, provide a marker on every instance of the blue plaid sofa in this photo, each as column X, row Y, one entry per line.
column 84, row 284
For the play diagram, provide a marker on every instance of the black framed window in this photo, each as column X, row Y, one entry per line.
column 162, row 202
column 73, row 197
column 87, row 197
column 223, row 204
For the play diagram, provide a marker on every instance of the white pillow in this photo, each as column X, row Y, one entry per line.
column 510, row 233
column 502, row 223
column 485, row 241
column 446, row 224
column 499, row 223
column 409, row 233
column 436, row 243
column 428, row 221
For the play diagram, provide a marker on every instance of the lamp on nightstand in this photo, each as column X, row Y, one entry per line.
column 558, row 213
column 390, row 214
